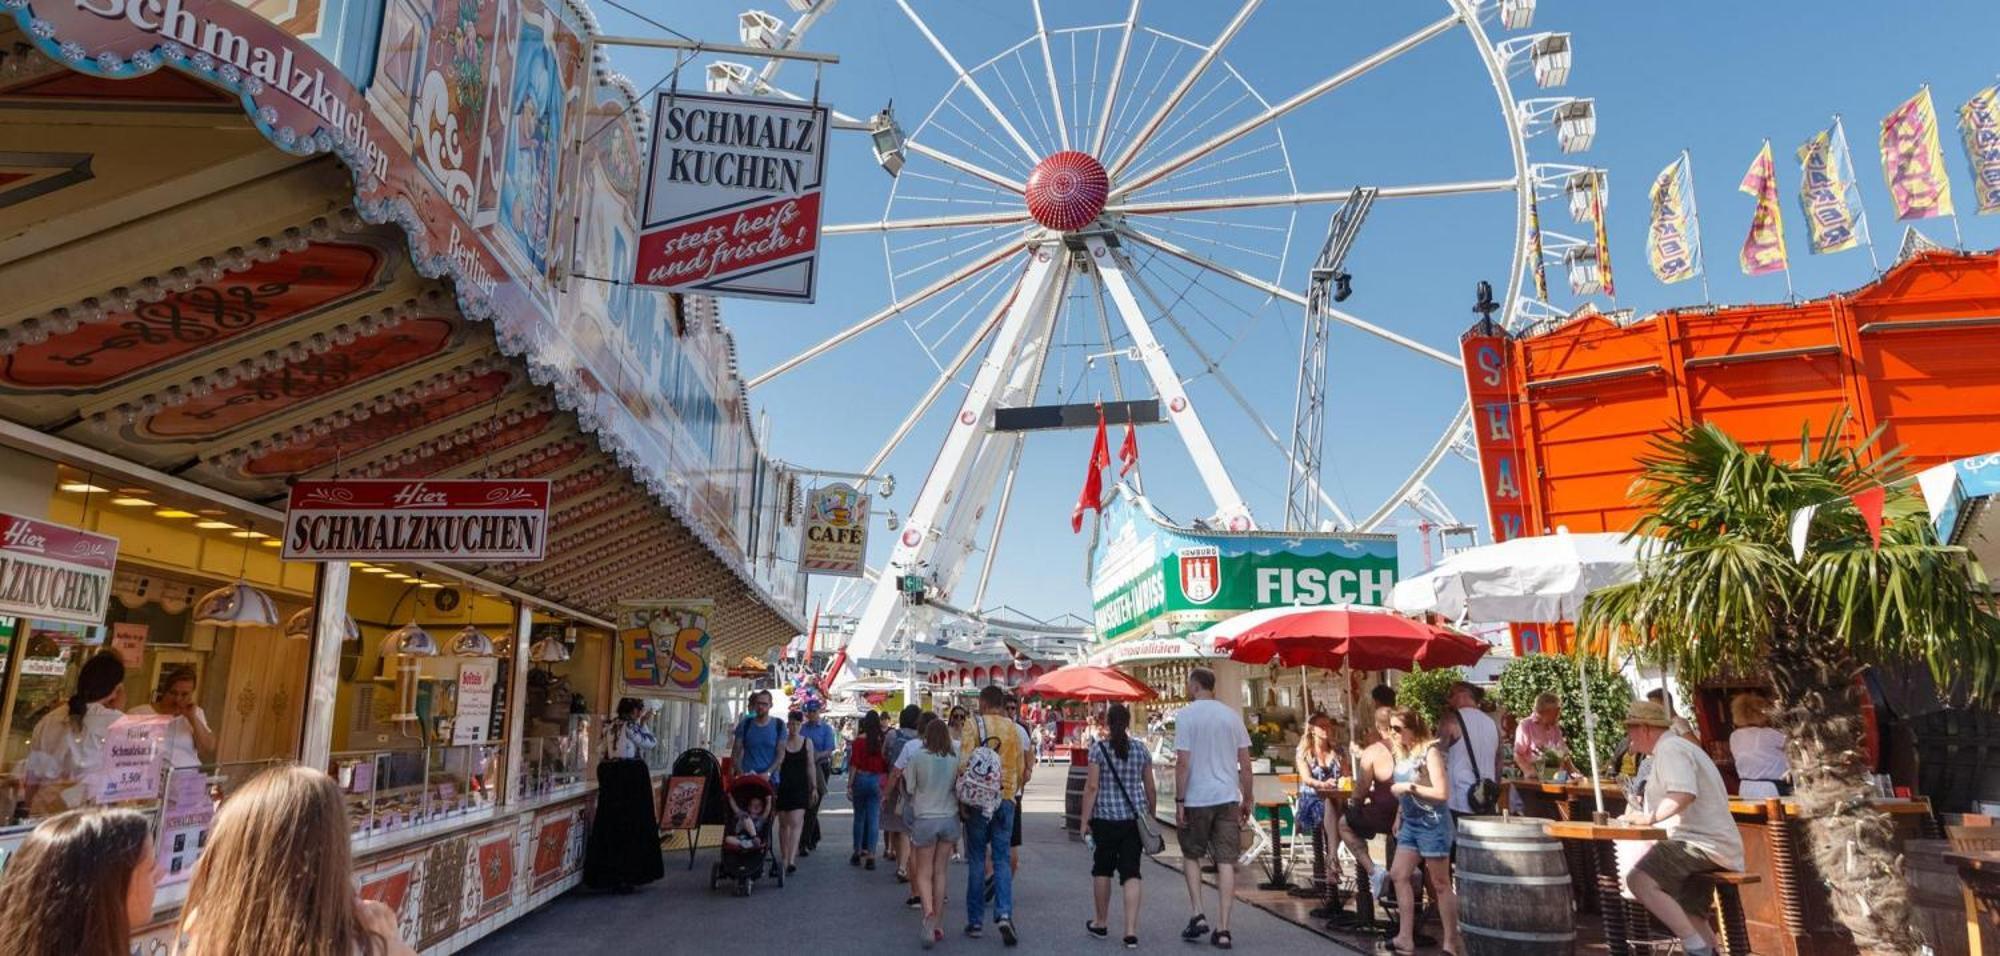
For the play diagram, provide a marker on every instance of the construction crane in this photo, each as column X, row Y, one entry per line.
column 1328, row 283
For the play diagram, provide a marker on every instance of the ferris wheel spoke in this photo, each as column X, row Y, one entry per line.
column 1173, row 100
column 969, row 144
column 934, row 222
column 1111, row 88
column 944, row 379
column 1049, row 68
column 1209, row 204
column 1307, row 95
column 1289, row 296
column 894, row 309
column 970, row 83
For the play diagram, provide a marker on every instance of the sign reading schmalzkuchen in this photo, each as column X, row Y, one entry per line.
column 394, row 520
column 54, row 572
column 732, row 203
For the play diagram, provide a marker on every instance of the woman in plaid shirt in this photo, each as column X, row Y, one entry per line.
column 1118, row 788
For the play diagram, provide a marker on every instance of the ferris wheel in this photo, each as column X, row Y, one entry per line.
column 1089, row 199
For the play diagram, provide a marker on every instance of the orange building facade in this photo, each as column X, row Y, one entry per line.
column 1562, row 416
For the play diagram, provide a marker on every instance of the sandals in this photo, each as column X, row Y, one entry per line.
column 1221, row 939
column 1196, row 929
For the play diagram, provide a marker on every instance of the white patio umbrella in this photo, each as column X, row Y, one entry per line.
column 1540, row 578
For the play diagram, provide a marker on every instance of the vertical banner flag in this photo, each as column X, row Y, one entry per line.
column 1764, row 248
column 1979, row 123
column 1670, row 246
column 1913, row 162
column 1128, row 450
column 1823, row 195
column 1092, row 496
column 1535, row 248
column 1603, row 243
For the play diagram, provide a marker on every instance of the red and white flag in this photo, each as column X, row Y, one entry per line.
column 1128, row 451
column 1870, row 502
column 1092, row 498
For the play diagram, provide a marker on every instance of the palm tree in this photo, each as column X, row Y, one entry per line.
column 1725, row 595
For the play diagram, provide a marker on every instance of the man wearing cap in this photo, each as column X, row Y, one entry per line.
column 824, row 743
column 1682, row 794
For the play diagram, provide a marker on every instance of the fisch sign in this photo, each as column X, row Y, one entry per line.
column 53, row 572
column 464, row 520
column 732, row 204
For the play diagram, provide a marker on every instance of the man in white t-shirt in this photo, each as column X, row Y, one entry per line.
column 1479, row 738
column 1683, row 795
column 1213, row 799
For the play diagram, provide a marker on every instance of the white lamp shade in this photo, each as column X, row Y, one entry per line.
column 300, row 626
column 411, row 641
column 472, row 642
column 548, row 650
column 236, row 605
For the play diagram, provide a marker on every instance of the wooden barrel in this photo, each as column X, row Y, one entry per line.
column 1513, row 889
column 1936, row 895
column 1079, row 773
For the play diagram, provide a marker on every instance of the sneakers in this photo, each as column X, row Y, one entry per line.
column 1131, row 942
column 974, row 931
column 1096, row 931
column 1006, row 927
column 914, row 902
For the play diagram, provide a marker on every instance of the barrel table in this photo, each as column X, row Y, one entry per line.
column 1513, row 888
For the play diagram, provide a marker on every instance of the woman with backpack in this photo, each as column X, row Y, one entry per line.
column 1119, row 791
column 895, row 828
column 928, row 777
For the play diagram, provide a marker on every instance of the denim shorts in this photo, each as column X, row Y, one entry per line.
column 930, row 831
column 1427, row 833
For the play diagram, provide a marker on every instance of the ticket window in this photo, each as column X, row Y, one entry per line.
column 421, row 720
column 231, row 697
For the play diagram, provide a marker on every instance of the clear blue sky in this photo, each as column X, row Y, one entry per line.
column 1715, row 78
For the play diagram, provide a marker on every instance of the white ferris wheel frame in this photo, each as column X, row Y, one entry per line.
column 937, row 536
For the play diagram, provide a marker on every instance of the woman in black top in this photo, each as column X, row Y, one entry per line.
column 796, row 786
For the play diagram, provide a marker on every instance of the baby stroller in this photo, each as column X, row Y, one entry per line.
column 744, row 864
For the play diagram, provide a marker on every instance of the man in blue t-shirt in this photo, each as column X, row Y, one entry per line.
column 757, row 743
column 820, row 733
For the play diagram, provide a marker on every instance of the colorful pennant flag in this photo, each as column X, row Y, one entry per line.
column 1535, row 249
column 1979, row 124
column 1913, row 162
column 1764, row 248
column 1603, row 244
column 1128, row 450
column 1092, row 497
column 1870, row 503
column 1670, row 248
column 1823, row 195
column 1801, row 526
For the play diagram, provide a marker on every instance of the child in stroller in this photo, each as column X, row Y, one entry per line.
column 746, row 844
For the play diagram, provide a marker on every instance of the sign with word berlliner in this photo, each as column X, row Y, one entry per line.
column 836, row 538
column 732, row 204
column 417, row 520
column 53, row 572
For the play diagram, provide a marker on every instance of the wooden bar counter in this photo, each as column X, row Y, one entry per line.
column 1568, row 802
column 1787, row 911
column 1979, row 873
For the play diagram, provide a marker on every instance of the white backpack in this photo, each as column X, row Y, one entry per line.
column 979, row 784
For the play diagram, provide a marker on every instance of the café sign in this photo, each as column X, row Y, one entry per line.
column 53, row 572
column 732, row 203
column 417, row 520
column 836, row 538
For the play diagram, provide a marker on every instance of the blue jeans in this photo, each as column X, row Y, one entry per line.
column 867, row 810
column 983, row 834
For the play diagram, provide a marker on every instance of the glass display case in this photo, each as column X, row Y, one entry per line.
column 391, row 790
column 556, row 762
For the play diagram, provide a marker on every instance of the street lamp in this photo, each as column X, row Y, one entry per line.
column 887, row 136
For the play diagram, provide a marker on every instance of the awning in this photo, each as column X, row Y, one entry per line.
column 198, row 286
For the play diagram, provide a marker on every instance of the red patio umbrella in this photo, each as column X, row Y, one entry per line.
column 1090, row 682
column 1365, row 638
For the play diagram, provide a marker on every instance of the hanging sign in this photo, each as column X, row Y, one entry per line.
column 135, row 753
column 836, row 539
column 475, row 702
column 732, row 203
column 395, row 520
column 663, row 649
column 53, row 572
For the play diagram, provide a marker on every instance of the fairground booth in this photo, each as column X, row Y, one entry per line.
column 1564, row 410
column 348, row 263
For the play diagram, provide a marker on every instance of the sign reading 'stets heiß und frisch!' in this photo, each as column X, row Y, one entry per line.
column 732, row 203
column 392, row 520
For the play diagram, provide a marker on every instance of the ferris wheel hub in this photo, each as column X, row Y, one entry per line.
column 1067, row 190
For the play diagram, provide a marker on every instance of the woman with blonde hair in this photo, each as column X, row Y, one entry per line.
column 277, row 878
column 1762, row 768
column 78, row 885
column 928, row 775
column 1423, row 785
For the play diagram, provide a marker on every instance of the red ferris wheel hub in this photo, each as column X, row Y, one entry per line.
column 1067, row 190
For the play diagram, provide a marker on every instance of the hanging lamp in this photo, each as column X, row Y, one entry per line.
column 239, row 604
column 300, row 625
column 549, row 650
column 470, row 641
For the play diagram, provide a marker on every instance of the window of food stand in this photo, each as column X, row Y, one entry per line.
column 569, row 666
column 247, row 683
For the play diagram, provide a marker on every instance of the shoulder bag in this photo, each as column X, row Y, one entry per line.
column 1483, row 796
column 1150, row 839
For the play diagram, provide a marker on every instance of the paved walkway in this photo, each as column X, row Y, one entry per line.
column 831, row 909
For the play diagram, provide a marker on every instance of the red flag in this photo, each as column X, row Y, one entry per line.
column 1093, row 481
column 1128, row 451
column 1869, row 503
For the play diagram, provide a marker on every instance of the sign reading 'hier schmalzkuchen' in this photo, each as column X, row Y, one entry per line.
column 413, row 520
